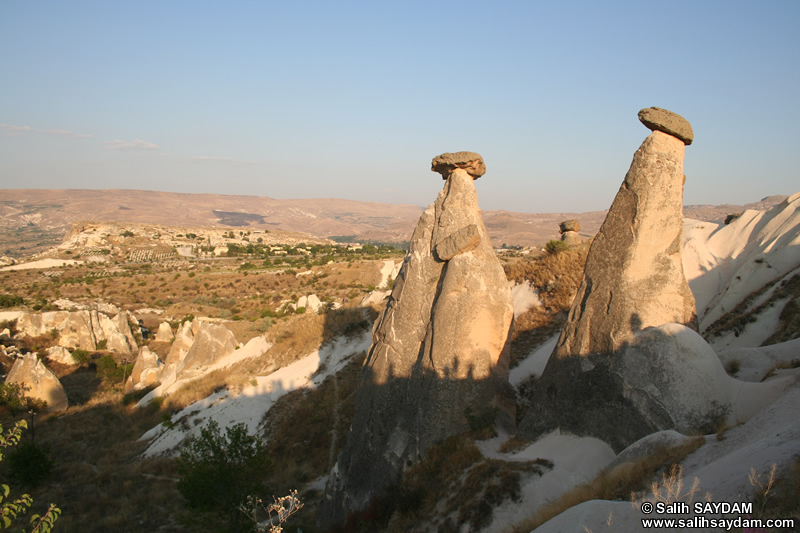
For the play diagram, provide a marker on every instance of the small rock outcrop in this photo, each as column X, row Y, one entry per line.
column 146, row 370
column 41, row 384
column 633, row 280
column 180, row 347
column 211, row 342
column 569, row 232
column 438, row 352
column 61, row 355
column 164, row 333
column 569, row 225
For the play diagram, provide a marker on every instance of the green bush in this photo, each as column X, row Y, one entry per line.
column 12, row 396
column 7, row 300
column 108, row 369
column 13, row 509
column 29, row 464
column 219, row 471
column 81, row 356
column 556, row 247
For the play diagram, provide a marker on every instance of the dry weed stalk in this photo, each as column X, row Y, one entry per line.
column 671, row 488
column 763, row 489
column 280, row 509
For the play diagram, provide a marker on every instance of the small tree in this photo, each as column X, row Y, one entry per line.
column 219, row 471
column 13, row 509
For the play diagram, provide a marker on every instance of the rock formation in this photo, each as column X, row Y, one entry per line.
column 40, row 382
column 211, row 342
column 81, row 329
column 146, row 370
column 164, row 333
column 569, row 232
column 60, row 355
column 633, row 280
column 438, row 352
column 180, row 347
column 634, row 275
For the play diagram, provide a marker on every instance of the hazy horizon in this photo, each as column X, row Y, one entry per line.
column 352, row 100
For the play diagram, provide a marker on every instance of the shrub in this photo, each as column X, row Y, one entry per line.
column 219, row 471
column 11, row 509
column 556, row 247
column 12, row 395
column 81, row 356
column 108, row 369
column 7, row 300
column 29, row 464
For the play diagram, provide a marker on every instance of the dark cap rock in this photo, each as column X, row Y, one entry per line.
column 570, row 225
column 471, row 162
column 659, row 119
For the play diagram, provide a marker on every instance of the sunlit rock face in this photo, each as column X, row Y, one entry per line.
column 439, row 356
column 38, row 382
column 633, row 281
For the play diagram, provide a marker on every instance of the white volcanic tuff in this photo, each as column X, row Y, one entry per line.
column 726, row 263
column 249, row 403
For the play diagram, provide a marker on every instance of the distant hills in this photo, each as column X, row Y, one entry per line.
column 34, row 219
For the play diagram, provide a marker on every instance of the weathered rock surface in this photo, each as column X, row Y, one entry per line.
column 61, row 355
column 311, row 303
column 164, row 333
column 634, row 274
column 146, row 370
column 41, row 383
column 438, row 352
column 658, row 119
column 633, row 280
column 572, row 238
column 177, row 352
column 211, row 342
column 569, row 225
column 470, row 162
column 81, row 329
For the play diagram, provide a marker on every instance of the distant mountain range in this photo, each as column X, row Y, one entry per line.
column 34, row 219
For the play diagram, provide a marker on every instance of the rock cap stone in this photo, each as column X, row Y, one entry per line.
column 470, row 161
column 569, row 225
column 659, row 119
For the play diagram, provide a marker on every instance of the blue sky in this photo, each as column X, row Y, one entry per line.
column 353, row 99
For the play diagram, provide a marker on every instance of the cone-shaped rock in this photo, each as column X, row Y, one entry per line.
column 634, row 274
column 438, row 355
column 38, row 382
column 633, row 279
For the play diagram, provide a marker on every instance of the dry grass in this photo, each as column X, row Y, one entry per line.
column 98, row 481
column 621, row 483
column 556, row 277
